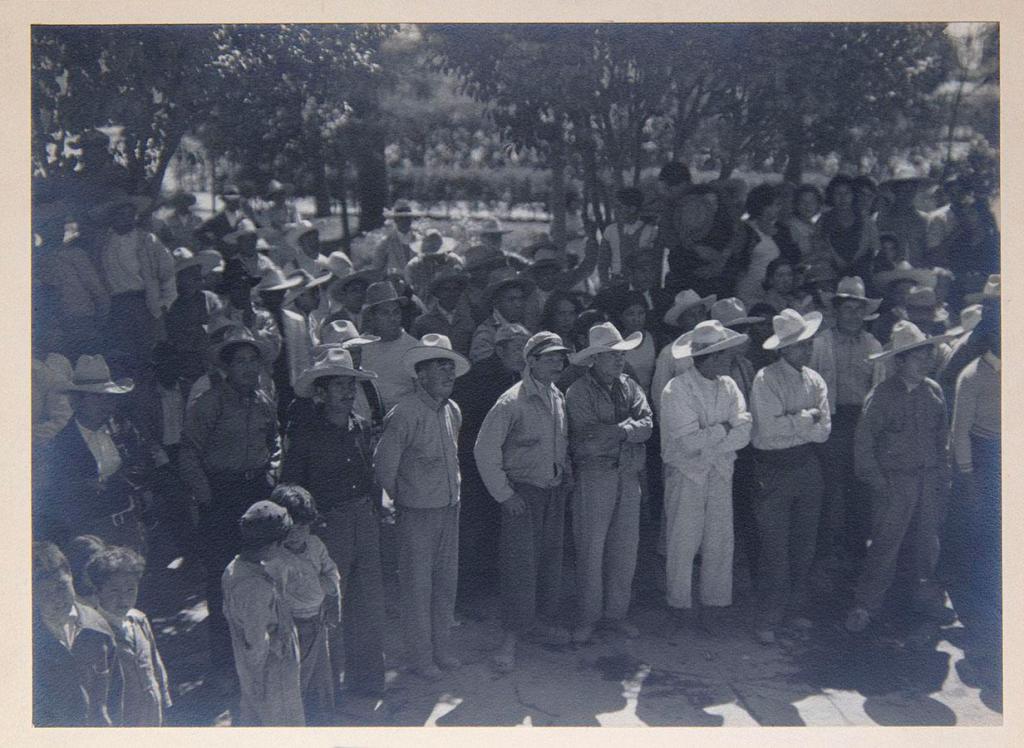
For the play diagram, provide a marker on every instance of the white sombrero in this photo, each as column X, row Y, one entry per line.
column 792, row 327
column 707, row 338
column 433, row 346
column 335, row 362
column 91, row 374
column 605, row 338
column 686, row 300
column 906, row 336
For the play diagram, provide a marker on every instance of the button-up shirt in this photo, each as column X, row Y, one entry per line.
column 416, row 460
column 228, row 432
column 901, row 430
column 137, row 261
column 842, row 361
column 977, row 407
column 334, row 464
column 104, row 451
column 312, row 576
column 482, row 345
column 694, row 410
column 589, row 402
column 523, row 439
column 780, row 401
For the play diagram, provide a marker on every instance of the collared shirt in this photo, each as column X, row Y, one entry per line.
column 78, row 284
column 749, row 286
column 312, row 576
column 666, row 366
column 482, row 345
column 104, row 451
column 145, row 693
column 524, row 439
column 589, row 402
column 842, row 361
column 780, row 400
column 228, row 432
column 385, row 359
column 976, row 409
column 901, row 430
column 416, row 460
column 68, row 631
column 334, row 464
column 641, row 360
column 693, row 411
column 394, row 252
column 137, row 261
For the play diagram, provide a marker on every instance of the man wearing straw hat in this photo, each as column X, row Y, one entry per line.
column 704, row 422
column 902, row 452
column 396, row 249
column 330, row 455
column 416, row 462
column 81, row 480
column 229, row 453
column 506, row 292
column 840, row 355
column 178, row 229
column 448, row 311
column 609, row 421
column 522, row 455
column 382, row 318
column 789, row 402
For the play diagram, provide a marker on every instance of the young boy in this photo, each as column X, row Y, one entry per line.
column 72, row 648
column 263, row 636
column 901, row 451
column 314, row 595
column 115, row 574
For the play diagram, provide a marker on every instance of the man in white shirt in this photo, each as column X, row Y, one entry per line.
column 382, row 317
column 789, row 403
column 704, row 422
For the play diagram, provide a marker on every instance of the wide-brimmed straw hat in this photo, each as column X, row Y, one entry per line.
column 245, row 227
column 991, row 292
column 484, row 257
column 118, row 199
column 970, row 317
column 343, row 332
column 924, row 299
column 233, row 274
column 445, row 243
column 792, row 327
column 184, row 258
column 506, row 277
column 335, row 361
column 231, row 190
column 273, row 279
column 295, row 231
column 605, row 338
column 306, row 283
column 382, row 292
column 225, row 336
column 684, row 300
column 906, row 336
column 91, row 374
column 706, row 338
column 547, row 257
column 731, row 312
column 852, row 288
column 904, row 271
column 402, row 209
column 212, row 260
column 433, row 346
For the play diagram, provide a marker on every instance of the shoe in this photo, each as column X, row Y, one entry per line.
column 625, row 628
column 582, row 634
column 858, row 620
column 447, row 662
column 551, row 634
column 429, row 672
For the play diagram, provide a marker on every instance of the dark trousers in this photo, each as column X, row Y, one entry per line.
column 744, row 516
column 219, row 541
column 906, row 516
column 479, row 527
column 788, row 507
column 131, row 328
column 352, row 537
column 846, row 503
column 985, row 526
column 531, row 549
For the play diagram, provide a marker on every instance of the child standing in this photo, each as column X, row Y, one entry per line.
column 314, row 595
column 263, row 636
column 115, row 573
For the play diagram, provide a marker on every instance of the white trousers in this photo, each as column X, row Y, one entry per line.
column 698, row 515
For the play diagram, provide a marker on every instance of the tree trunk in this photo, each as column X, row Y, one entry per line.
column 557, row 198
column 796, row 153
column 371, row 179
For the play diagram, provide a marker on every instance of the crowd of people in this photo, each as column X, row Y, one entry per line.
column 773, row 378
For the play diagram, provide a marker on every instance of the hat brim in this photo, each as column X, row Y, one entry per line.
column 525, row 283
column 812, row 322
column 979, row 296
column 684, row 349
column 305, row 383
column 939, row 314
column 920, row 276
column 628, row 343
column 672, row 315
column 288, row 285
column 321, row 348
column 742, row 321
column 226, row 283
column 190, row 263
column 262, row 347
column 118, row 387
column 427, row 353
column 404, row 214
column 887, row 354
column 870, row 305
